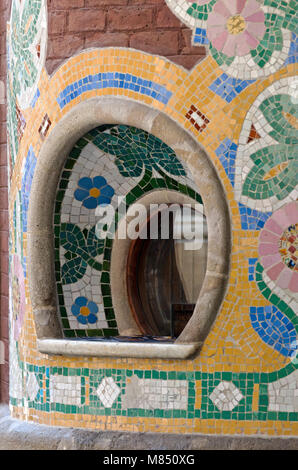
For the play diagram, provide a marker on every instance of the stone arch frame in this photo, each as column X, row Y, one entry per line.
column 42, row 283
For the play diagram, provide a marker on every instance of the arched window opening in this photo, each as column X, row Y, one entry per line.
column 167, row 166
column 166, row 270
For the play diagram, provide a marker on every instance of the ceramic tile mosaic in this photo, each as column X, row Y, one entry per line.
column 108, row 163
column 44, row 127
column 268, row 165
column 283, row 394
column 199, row 120
column 26, row 50
column 244, row 380
column 114, row 80
column 226, row 396
column 229, row 87
column 227, row 152
column 248, row 39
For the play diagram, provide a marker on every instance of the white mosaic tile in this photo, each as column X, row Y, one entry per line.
column 226, row 396
column 32, row 386
column 108, row 391
column 65, row 390
column 283, row 394
column 156, row 394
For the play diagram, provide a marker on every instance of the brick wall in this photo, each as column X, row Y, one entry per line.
column 147, row 25
column 4, row 7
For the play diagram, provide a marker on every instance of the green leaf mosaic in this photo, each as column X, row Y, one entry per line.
column 135, row 149
column 275, row 167
column 26, row 54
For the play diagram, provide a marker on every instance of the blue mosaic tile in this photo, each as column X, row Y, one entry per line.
column 275, row 329
column 200, row 36
column 226, row 153
column 293, row 52
column 26, row 185
column 252, row 219
column 35, row 98
column 251, row 268
column 228, row 87
column 114, row 80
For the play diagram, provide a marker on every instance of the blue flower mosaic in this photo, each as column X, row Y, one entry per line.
column 28, row 173
column 275, row 329
column 94, row 192
column 228, row 87
column 251, row 268
column 226, row 153
column 85, row 311
column 252, row 219
column 200, row 36
column 293, row 51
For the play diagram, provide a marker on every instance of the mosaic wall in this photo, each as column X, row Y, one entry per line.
column 107, row 163
column 240, row 103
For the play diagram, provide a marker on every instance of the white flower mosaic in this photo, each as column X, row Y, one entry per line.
column 283, row 394
column 108, row 391
column 32, row 386
column 226, row 396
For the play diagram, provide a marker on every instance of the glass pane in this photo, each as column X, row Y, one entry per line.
column 166, row 274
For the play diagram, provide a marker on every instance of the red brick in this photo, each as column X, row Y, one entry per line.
column 87, row 20
column 166, row 19
column 187, row 61
column 107, row 39
column 3, row 243
column 3, row 135
column 4, row 6
column 4, row 367
column 3, row 154
column 53, row 64
column 4, row 284
column 3, row 108
column 3, row 220
column 142, row 2
column 2, row 43
column 3, row 198
column 4, row 263
column 4, row 325
column 162, row 43
column 187, row 47
column 57, row 22
column 100, row 3
column 129, row 18
column 3, row 177
column 65, row 4
column 4, row 305
column 65, row 46
column 4, row 393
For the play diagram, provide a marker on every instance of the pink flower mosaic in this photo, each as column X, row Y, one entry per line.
column 18, row 297
column 235, row 27
column 278, row 247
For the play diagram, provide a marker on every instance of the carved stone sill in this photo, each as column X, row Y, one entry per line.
column 85, row 348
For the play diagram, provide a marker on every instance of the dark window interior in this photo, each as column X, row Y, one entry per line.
column 165, row 276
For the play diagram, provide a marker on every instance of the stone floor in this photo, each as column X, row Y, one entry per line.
column 18, row 435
